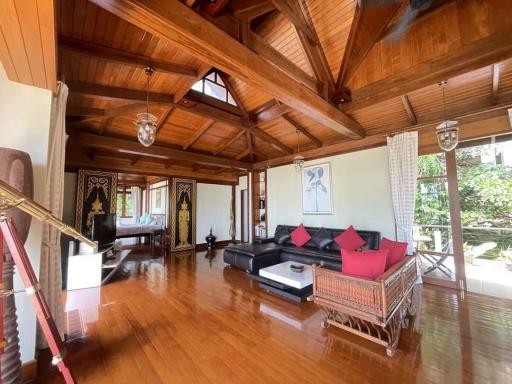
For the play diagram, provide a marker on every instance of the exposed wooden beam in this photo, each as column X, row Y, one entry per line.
column 250, row 145
column 163, row 119
column 84, row 111
column 155, row 168
column 302, row 130
column 408, row 108
column 108, row 92
column 288, row 9
column 155, row 151
column 270, row 111
column 377, row 140
column 80, row 47
column 250, row 9
column 228, row 143
column 187, row 85
column 186, row 104
column 273, row 56
column 471, row 56
column 198, row 134
column 368, row 25
column 312, row 48
column 176, row 23
column 495, row 82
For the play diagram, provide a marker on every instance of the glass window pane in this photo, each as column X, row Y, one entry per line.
column 219, row 80
column 119, row 205
column 231, row 100
column 214, row 90
column 211, row 76
column 432, row 165
column 198, row 86
column 128, row 207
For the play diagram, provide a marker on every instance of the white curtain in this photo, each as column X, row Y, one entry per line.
column 136, row 200
column 50, row 274
column 403, row 173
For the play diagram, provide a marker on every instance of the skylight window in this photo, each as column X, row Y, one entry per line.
column 213, row 86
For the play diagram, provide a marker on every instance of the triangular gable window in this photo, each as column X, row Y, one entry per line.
column 213, row 86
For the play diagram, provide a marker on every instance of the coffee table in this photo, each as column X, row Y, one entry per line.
column 280, row 280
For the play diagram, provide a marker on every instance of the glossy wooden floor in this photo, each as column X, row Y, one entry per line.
column 187, row 319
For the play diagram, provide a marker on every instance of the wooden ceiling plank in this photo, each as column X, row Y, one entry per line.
column 495, row 83
column 200, row 132
column 228, row 82
column 471, row 56
column 302, row 130
column 136, row 160
column 228, row 143
column 368, row 25
column 272, row 55
column 243, row 154
column 163, row 119
column 408, row 108
column 155, row 151
column 84, row 111
column 176, row 23
column 80, row 47
column 289, row 10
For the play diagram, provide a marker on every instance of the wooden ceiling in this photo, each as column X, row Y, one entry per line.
column 287, row 64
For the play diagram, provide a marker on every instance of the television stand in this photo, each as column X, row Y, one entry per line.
column 95, row 269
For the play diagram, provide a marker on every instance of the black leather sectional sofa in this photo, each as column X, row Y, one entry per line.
column 280, row 248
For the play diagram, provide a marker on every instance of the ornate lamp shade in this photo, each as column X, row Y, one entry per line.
column 447, row 135
column 146, row 128
column 298, row 162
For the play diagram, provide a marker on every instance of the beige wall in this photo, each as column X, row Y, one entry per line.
column 213, row 207
column 25, row 112
column 243, row 183
column 360, row 192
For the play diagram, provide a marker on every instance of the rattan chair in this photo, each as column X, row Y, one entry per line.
column 374, row 309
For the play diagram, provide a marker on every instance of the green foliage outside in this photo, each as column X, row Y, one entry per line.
column 485, row 196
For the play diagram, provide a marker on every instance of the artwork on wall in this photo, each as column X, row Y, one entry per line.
column 158, row 199
column 96, row 195
column 183, row 215
column 316, row 189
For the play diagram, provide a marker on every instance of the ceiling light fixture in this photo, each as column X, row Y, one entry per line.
column 146, row 122
column 447, row 132
column 298, row 160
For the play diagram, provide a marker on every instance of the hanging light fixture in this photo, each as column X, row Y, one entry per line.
column 146, row 122
column 298, row 160
column 447, row 132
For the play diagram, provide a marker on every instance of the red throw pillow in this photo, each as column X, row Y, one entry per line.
column 369, row 264
column 397, row 251
column 300, row 236
column 349, row 239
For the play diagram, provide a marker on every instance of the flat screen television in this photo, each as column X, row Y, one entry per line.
column 104, row 230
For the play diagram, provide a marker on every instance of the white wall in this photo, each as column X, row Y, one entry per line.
column 26, row 111
column 213, row 207
column 360, row 192
column 242, row 185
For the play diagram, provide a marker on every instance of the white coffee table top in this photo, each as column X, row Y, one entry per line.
column 283, row 274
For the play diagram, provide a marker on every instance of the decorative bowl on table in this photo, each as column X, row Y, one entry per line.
column 297, row 268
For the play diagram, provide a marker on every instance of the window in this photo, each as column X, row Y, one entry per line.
column 124, row 205
column 213, row 86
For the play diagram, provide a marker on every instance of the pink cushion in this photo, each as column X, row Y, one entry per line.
column 300, row 236
column 369, row 264
column 397, row 251
column 349, row 239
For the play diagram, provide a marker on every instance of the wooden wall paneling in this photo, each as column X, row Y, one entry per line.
column 27, row 42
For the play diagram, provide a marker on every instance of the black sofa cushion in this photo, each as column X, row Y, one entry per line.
column 281, row 235
column 322, row 238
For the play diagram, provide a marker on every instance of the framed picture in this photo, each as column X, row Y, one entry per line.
column 183, row 215
column 316, row 189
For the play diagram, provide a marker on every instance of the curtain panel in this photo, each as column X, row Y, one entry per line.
column 403, row 173
column 50, row 274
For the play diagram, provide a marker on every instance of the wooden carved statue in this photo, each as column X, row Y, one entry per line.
column 184, row 223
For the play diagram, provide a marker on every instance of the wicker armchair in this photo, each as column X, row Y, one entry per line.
column 374, row 309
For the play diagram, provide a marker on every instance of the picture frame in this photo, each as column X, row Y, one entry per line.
column 316, row 189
